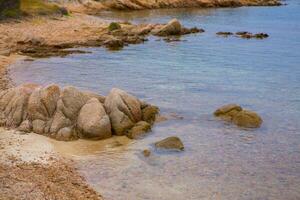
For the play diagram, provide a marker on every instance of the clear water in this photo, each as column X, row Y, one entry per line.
column 193, row 78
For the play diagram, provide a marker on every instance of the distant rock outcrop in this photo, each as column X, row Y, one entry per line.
column 154, row 4
column 68, row 113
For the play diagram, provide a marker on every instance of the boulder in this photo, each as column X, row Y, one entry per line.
column 38, row 126
column 93, row 122
column 170, row 143
column 138, row 130
column 149, row 113
column 123, row 109
column 59, row 121
column 247, row 119
column 42, row 102
column 13, row 105
column 171, row 28
column 72, row 100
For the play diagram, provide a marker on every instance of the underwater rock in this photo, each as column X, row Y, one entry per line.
column 247, row 119
column 248, row 35
column 146, row 152
column 236, row 114
column 170, row 143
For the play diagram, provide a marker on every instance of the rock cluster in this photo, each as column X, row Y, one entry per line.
column 248, row 35
column 68, row 113
column 120, row 35
column 237, row 115
column 244, row 34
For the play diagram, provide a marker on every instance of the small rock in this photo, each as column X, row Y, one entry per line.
column 147, row 152
column 170, row 143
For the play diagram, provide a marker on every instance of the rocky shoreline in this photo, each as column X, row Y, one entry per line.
column 62, row 113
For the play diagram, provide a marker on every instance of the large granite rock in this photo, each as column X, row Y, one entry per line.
column 236, row 114
column 123, row 109
column 93, row 122
column 68, row 113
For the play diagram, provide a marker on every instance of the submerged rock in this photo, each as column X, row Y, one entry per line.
column 247, row 119
column 248, row 35
column 225, row 34
column 237, row 115
column 170, row 143
column 68, row 113
column 228, row 111
column 146, row 152
column 139, row 129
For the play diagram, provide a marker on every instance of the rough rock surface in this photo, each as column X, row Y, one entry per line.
column 171, row 28
column 248, row 119
column 68, row 113
column 93, row 122
column 123, row 109
column 170, row 143
column 237, row 115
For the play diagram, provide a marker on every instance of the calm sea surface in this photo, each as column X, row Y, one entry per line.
column 192, row 78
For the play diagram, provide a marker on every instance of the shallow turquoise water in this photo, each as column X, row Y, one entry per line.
column 192, row 78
